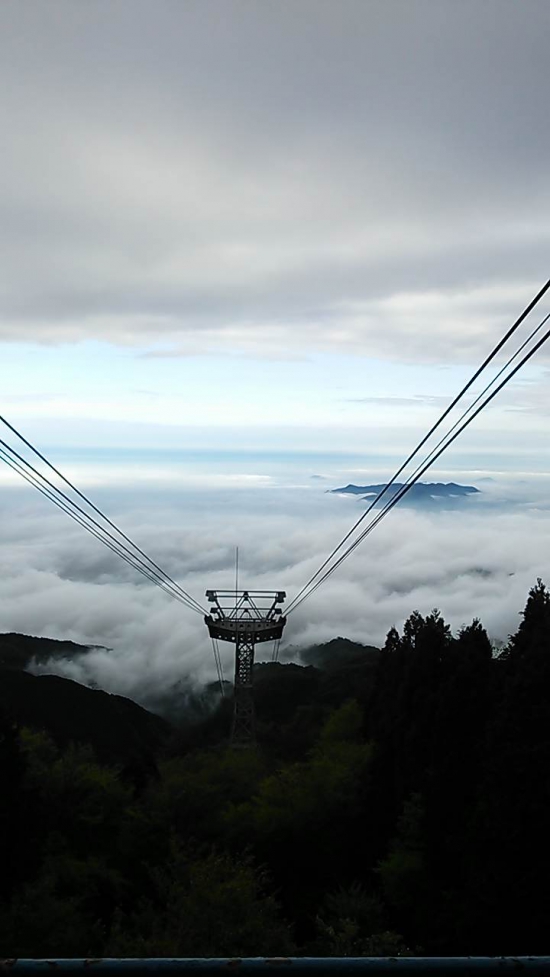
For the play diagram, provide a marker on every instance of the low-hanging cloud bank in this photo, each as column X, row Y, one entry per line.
column 55, row 581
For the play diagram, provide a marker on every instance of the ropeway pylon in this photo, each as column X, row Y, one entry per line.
column 246, row 618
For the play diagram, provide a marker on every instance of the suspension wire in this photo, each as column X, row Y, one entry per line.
column 185, row 597
column 101, row 533
column 496, row 349
column 406, row 487
column 469, row 409
column 60, row 505
column 433, row 456
column 15, row 466
column 276, row 646
column 86, row 521
column 191, row 600
column 430, row 457
column 219, row 669
column 217, row 663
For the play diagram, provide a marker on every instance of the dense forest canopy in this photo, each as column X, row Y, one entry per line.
column 397, row 803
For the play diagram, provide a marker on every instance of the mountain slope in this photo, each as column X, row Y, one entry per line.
column 19, row 650
column 119, row 731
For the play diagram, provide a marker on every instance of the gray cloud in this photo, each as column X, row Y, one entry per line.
column 55, row 581
column 232, row 174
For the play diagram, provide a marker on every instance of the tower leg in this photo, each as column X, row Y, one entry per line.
column 244, row 721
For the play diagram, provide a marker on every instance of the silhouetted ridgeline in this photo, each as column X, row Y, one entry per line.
column 19, row 650
column 119, row 730
column 424, row 494
column 398, row 803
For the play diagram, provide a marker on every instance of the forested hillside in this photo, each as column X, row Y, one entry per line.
column 397, row 803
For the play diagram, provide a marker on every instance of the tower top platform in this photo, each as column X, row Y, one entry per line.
column 251, row 614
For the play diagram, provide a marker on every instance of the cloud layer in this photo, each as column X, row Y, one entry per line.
column 55, row 581
column 228, row 174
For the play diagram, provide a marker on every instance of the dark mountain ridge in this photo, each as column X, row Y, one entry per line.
column 124, row 733
column 119, row 730
column 423, row 493
column 19, row 650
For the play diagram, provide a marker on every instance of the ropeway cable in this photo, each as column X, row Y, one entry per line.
column 496, row 349
column 222, row 679
column 433, row 456
column 15, row 466
column 425, row 465
column 116, row 547
column 191, row 600
column 101, row 533
column 219, row 666
column 430, row 457
column 275, row 652
column 150, row 564
column 11, row 463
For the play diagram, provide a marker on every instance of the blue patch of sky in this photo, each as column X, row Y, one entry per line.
column 93, row 368
column 97, row 404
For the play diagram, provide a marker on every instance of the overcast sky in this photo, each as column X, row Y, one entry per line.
column 236, row 212
column 287, row 231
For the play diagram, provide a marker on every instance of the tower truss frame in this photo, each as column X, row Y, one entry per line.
column 245, row 618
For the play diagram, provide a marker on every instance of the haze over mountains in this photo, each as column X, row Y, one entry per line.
column 34, row 694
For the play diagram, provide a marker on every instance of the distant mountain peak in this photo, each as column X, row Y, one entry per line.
column 427, row 494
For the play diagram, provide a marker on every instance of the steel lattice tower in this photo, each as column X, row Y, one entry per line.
column 246, row 618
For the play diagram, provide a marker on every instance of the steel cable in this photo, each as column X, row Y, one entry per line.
column 73, row 515
column 433, row 456
column 95, row 508
column 496, row 349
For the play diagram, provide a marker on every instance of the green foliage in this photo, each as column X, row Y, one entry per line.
column 120, row 732
column 194, row 791
column 352, row 923
column 354, row 902
column 209, row 906
column 532, row 634
column 344, row 725
column 41, row 922
column 345, row 939
column 300, row 798
column 403, row 871
column 81, row 801
column 414, row 812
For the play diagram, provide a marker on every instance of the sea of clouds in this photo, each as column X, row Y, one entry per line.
column 59, row 582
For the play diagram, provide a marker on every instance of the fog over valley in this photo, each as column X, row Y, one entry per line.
column 57, row 581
